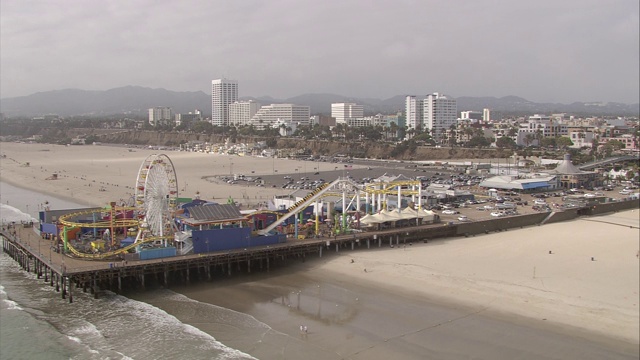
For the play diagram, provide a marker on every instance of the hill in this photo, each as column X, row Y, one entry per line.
column 135, row 100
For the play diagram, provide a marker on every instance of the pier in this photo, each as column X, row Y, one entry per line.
column 68, row 274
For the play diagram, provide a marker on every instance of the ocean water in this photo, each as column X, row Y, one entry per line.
column 38, row 324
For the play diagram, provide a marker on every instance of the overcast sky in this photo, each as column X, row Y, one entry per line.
column 544, row 51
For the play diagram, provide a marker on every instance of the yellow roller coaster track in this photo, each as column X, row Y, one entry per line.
column 391, row 187
column 109, row 254
column 116, row 223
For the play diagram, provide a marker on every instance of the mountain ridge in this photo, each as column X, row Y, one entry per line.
column 136, row 100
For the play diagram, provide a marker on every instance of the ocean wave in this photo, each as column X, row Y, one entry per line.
column 12, row 305
column 166, row 323
column 74, row 339
column 87, row 329
column 249, row 320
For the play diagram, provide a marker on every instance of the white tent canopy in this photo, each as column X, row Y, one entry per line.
column 393, row 216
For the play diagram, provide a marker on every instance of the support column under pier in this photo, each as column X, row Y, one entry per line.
column 70, row 291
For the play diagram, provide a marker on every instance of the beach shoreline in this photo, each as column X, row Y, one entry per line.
column 581, row 274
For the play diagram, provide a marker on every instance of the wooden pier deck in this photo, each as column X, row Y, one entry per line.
column 67, row 273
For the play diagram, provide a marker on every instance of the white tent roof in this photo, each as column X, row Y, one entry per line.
column 405, row 214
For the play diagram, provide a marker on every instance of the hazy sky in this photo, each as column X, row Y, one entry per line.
column 542, row 50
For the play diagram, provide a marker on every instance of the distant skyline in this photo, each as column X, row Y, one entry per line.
column 544, row 51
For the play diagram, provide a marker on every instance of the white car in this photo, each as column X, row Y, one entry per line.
column 498, row 214
column 540, row 202
column 463, row 218
column 449, row 212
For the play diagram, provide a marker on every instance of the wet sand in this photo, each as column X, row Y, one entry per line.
column 457, row 298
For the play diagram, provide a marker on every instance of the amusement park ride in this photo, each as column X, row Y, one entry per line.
column 152, row 216
column 156, row 196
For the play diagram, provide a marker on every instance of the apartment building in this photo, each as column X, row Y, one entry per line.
column 344, row 111
column 223, row 93
column 241, row 112
column 160, row 115
column 273, row 114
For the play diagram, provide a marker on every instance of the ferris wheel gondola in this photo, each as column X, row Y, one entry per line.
column 156, row 195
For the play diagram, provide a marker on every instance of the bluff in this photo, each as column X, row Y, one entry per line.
column 370, row 149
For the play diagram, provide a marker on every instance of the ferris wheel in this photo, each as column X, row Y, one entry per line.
column 156, row 195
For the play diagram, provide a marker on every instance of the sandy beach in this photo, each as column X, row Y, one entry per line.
column 496, row 296
column 97, row 175
column 543, row 274
column 513, row 272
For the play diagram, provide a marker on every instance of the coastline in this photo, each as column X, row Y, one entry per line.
column 486, row 273
column 407, row 290
column 512, row 273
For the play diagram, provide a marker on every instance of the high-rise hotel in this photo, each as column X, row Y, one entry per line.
column 223, row 93
column 434, row 113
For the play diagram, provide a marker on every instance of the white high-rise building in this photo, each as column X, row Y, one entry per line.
column 440, row 112
column 471, row 115
column 274, row 114
column 241, row 112
column 414, row 110
column 343, row 111
column 160, row 115
column 223, row 93
column 486, row 115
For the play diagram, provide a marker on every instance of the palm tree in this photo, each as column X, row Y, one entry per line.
column 394, row 129
column 528, row 139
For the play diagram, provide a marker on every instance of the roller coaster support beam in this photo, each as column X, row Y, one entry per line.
column 317, row 218
column 344, row 210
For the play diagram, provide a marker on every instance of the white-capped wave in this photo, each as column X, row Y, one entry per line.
column 250, row 321
column 74, row 339
column 162, row 320
column 87, row 329
column 12, row 305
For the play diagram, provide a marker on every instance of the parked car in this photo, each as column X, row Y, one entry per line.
column 463, row 218
column 450, row 212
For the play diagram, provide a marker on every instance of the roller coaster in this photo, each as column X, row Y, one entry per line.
column 71, row 221
column 339, row 187
column 156, row 195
